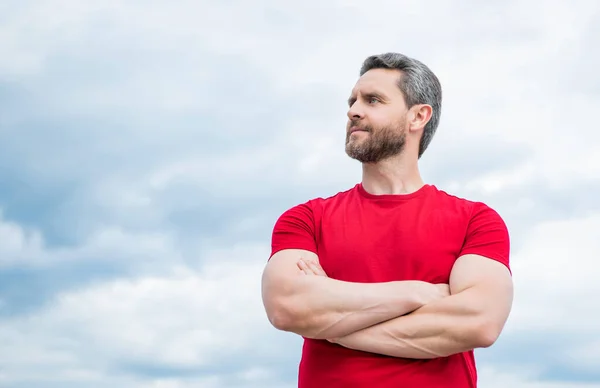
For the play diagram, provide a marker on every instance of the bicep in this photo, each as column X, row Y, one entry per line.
column 483, row 267
column 489, row 283
column 284, row 265
column 280, row 282
column 281, row 270
column 293, row 238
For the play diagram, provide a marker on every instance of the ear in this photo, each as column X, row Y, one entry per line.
column 419, row 116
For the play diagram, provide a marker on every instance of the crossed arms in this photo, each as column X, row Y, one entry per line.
column 409, row 319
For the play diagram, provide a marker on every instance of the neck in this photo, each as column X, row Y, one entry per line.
column 395, row 175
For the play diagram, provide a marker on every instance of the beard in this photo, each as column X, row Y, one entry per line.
column 380, row 144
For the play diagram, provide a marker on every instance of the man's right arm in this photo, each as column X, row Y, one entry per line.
column 323, row 308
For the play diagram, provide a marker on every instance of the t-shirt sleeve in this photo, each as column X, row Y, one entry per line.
column 295, row 229
column 487, row 235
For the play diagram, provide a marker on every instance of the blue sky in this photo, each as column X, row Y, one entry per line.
column 147, row 148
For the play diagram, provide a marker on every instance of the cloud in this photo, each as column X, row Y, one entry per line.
column 517, row 377
column 146, row 151
column 18, row 244
column 558, row 259
column 549, row 331
column 182, row 323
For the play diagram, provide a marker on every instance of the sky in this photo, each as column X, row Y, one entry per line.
column 148, row 147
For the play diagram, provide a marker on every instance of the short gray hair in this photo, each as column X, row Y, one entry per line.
column 418, row 84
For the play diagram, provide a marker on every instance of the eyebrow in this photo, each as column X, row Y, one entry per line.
column 379, row 96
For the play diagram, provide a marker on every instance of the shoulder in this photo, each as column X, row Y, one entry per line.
column 298, row 226
column 317, row 204
column 468, row 208
column 337, row 197
column 310, row 211
column 486, row 233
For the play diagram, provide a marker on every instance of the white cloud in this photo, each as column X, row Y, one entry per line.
column 519, row 378
column 556, row 289
column 26, row 247
column 555, row 275
column 223, row 111
column 554, row 271
column 181, row 319
column 17, row 244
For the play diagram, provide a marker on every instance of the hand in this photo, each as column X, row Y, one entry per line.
column 309, row 267
column 434, row 292
column 443, row 290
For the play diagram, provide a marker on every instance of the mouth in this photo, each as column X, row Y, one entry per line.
column 356, row 129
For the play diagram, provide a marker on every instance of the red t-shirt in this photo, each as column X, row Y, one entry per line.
column 360, row 237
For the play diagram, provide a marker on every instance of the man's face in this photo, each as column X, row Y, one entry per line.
column 376, row 117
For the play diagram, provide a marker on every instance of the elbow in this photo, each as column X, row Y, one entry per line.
column 286, row 308
column 280, row 315
column 487, row 338
column 280, row 319
column 486, row 334
column 286, row 318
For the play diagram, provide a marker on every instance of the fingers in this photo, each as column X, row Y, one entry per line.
column 444, row 289
column 310, row 268
column 316, row 268
column 304, row 267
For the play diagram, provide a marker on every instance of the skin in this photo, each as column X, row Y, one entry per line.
column 321, row 308
column 463, row 321
column 399, row 319
column 377, row 104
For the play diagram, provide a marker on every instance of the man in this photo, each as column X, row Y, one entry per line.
column 392, row 283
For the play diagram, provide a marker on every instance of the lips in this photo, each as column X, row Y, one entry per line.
column 356, row 129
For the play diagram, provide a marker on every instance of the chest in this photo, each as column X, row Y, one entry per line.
column 378, row 245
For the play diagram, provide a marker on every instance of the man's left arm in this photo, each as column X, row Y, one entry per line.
column 473, row 316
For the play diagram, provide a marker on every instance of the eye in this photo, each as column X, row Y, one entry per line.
column 373, row 100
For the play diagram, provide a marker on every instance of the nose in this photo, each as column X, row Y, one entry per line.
column 355, row 112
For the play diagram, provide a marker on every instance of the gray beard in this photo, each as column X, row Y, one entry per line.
column 381, row 144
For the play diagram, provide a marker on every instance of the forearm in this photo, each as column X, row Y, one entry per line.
column 320, row 307
column 448, row 326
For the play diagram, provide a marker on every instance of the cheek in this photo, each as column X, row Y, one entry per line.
column 386, row 118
